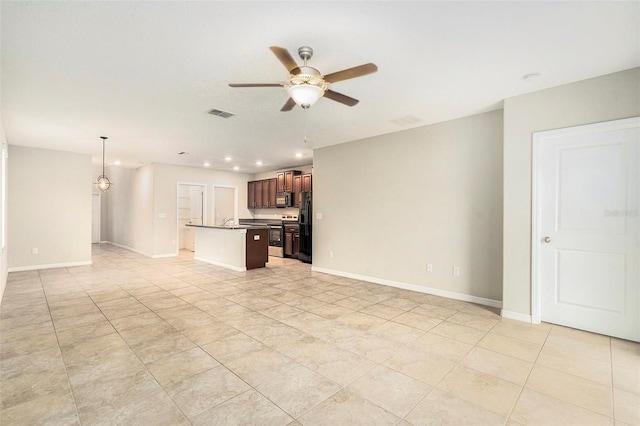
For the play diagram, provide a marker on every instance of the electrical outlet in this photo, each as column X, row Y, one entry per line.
column 456, row 271
column 34, row 250
column 331, row 254
column 429, row 267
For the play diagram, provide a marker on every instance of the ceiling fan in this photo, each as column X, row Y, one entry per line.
column 306, row 84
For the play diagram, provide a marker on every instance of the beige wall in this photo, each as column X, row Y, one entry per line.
column 393, row 203
column 49, row 208
column 4, row 267
column 129, row 212
column 610, row 97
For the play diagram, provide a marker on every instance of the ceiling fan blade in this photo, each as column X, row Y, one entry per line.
column 288, row 106
column 354, row 72
column 285, row 57
column 255, row 84
column 339, row 97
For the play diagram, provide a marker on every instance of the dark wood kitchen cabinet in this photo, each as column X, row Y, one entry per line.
column 259, row 192
column 285, row 180
column 266, row 200
column 251, row 195
column 306, row 183
column 272, row 192
column 280, row 182
column 297, row 188
column 301, row 183
column 291, row 241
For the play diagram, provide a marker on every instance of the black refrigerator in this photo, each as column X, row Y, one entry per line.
column 304, row 219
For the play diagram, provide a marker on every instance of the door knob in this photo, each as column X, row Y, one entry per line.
column 547, row 239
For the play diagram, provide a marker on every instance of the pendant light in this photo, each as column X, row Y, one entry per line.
column 103, row 183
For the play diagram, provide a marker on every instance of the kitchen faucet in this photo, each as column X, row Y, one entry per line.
column 225, row 221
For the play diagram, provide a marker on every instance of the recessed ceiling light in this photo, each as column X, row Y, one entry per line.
column 236, row 168
column 207, row 164
column 228, row 158
column 117, row 162
column 299, row 155
column 258, row 163
column 531, row 77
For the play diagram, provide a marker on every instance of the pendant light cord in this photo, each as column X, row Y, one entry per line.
column 104, row 138
column 103, row 157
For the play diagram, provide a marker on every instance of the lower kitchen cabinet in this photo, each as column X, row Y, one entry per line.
column 291, row 242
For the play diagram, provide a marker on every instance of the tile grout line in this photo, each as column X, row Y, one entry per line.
column 55, row 331
column 524, row 384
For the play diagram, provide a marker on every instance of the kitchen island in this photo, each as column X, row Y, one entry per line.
column 238, row 248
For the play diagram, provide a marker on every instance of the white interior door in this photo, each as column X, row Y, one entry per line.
column 95, row 218
column 586, row 233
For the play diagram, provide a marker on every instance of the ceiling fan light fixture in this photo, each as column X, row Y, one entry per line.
column 305, row 94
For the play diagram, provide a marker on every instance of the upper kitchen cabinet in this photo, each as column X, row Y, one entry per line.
column 280, row 182
column 265, row 193
column 285, row 180
column 306, row 183
column 261, row 194
column 251, row 195
column 273, row 183
column 301, row 183
column 297, row 188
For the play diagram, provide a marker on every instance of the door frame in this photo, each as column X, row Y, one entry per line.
column 204, row 208
column 536, row 202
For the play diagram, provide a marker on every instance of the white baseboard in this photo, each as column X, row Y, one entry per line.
column 48, row 266
column 153, row 256
column 413, row 287
column 224, row 265
column 162, row 256
column 516, row 316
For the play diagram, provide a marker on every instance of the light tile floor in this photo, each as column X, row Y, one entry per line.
column 133, row 340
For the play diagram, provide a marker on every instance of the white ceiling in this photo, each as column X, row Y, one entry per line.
column 146, row 73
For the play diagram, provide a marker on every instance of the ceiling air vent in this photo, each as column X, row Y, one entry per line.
column 220, row 113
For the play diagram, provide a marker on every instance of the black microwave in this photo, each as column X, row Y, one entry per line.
column 284, row 199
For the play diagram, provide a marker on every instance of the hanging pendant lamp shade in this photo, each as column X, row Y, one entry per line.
column 103, row 183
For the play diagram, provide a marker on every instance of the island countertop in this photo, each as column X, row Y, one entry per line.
column 232, row 227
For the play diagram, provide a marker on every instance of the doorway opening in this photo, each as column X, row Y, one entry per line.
column 191, row 204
